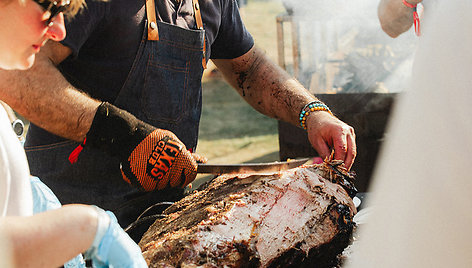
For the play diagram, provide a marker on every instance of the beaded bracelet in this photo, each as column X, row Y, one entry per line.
column 312, row 107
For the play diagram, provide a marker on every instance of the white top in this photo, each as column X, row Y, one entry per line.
column 15, row 189
column 422, row 189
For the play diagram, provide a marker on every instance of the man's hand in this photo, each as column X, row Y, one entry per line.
column 151, row 158
column 158, row 161
column 327, row 133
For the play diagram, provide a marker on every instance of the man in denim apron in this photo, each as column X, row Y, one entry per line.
column 147, row 58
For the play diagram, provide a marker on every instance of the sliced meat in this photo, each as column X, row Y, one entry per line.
column 295, row 218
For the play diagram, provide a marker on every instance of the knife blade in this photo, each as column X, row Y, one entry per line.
column 250, row 167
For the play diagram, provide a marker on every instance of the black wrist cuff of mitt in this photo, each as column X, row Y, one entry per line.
column 116, row 131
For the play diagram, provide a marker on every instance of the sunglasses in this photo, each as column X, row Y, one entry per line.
column 54, row 8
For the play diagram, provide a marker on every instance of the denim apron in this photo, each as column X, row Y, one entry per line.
column 163, row 88
column 164, row 85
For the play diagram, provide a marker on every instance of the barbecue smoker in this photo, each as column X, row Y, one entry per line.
column 344, row 58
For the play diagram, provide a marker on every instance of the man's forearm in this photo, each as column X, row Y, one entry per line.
column 273, row 92
column 44, row 97
column 395, row 17
column 265, row 86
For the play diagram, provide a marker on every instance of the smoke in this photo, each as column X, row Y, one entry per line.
column 343, row 48
column 329, row 9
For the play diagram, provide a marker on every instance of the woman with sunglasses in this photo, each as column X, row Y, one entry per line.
column 27, row 25
column 50, row 238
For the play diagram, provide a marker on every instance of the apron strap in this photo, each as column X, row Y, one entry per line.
column 198, row 20
column 153, row 33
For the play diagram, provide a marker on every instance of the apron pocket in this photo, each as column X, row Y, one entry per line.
column 164, row 97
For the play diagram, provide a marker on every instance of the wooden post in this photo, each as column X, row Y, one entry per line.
column 279, row 20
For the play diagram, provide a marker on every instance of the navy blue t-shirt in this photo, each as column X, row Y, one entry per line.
column 105, row 38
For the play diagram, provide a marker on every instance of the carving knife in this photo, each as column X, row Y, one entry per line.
column 250, row 167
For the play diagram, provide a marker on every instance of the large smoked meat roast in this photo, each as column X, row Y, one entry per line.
column 300, row 217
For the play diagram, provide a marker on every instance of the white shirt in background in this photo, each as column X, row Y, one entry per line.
column 15, row 189
column 421, row 193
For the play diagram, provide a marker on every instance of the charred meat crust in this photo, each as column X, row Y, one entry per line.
column 295, row 218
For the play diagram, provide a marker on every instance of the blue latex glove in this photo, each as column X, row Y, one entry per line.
column 44, row 199
column 114, row 248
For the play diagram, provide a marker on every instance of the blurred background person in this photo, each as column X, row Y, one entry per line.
column 420, row 196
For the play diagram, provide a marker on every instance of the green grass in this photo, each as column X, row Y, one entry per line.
column 231, row 131
column 259, row 18
column 226, row 115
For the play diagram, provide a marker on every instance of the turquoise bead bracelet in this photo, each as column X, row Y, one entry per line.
column 312, row 107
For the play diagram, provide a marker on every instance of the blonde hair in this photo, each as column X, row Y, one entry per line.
column 74, row 7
